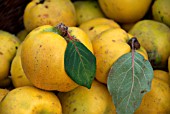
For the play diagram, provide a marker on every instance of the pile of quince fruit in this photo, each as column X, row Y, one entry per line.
column 32, row 75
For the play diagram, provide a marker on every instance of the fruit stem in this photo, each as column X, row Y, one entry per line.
column 63, row 30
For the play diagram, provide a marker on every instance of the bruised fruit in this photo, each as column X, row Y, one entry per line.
column 49, row 12
column 155, row 38
column 161, row 11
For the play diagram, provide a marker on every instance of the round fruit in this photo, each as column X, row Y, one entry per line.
column 30, row 100
column 49, row 12
column 87, row 10
column 155, row 38
column 81, row 100
column 42, row 57
column 108, row 47
column 8, row 47
column 161, row 11
column 18, row 76
column 125, row 11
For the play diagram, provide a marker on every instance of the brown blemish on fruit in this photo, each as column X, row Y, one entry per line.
column 20, row 76
column 45, row 16
column 106, row 52
column 91, row 28
column 39, row 96
column 1, row 53
column 113, row 41
column 46, row 6
column 74, row 109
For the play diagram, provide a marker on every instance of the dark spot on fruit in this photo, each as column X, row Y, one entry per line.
column 74, row 109
column 40, row 46
column 106, row 52
column 16, row 47
column 39, row 96
column 81, row 16
column 159, row 12
column 46, row 6
column 39, row 15
column 1, row 53
column 20, row 76
column 113, row 41
column 91, row 28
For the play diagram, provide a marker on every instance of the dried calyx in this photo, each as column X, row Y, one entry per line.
column 63, row 31
column 134, row 44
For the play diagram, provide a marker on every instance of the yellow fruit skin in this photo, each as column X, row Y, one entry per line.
column 87, row 10
column 30, row 100
column 81, row 36
column 8, row 46
column 81, row 100
column 42, row 57
column 162, row 75
column 108, row 47
column 161, row 11
column 19, row 78
column 125, row 11
column 4, row 67
column 95, row 26
column 50, row 12
column 3, row 92
column 155, row 38
column 157, row 100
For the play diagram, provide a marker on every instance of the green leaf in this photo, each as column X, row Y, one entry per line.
column 127, row 82
column 80, row 63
